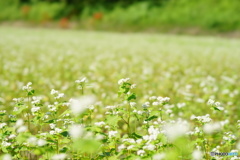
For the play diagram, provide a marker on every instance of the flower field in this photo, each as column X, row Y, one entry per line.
column 105, row 96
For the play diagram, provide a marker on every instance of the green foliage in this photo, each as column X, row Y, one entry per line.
column 212, row 15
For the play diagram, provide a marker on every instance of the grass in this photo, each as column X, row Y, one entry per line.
column 189, row 70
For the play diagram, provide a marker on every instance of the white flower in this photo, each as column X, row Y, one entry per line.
column 197, row 155
column 203, row 119
column 210, row 102
column 129, row 140
column 80, row 105
column 132, row 104
column 121, row 147
column 146, row 105
column 159, row 156
column 163, row 99
column 60, row 156
column 6, row 144
column 7, row 157
column 149, row 147
column 140, row 152
column 76, row 131
column 83, row 80
column 32, row 140
column 27, row 87
column 19, row 123
column 124, row 80
column 60, row 95
column 58, row 130
column 12, row 136
column 53, row 91
column 133, row 86
column 112, row 133
column 111, row 107
column 211, row 127
column 2, row 125
column 100, row 124
column 130, row 147
column 35, row 109
column 52, row 125
column 139, row 141
column 22, row 129
column 176, row 130
column 41, row 142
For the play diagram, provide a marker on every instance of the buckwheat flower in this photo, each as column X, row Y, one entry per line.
column 100, row 124
column 52, row 132
column 146, row 105
column 60, row 95
column 204, row 119
column 197, row 155
column 149, row 147
column 6, row 144
column 155, row 103
column 22, row 129
column 52, row 125
column 210, row 102
column 76, row 131
column 176, row 130
column 141, row 152
column 181, row 105
column 129, row 140
column 7, row 157
column 146, row 137
column 91, row 107
column 83, row 80
column 27, row 87
column 35, row 109
column 111, row 107
column 152, row 98
column 112, row 133
column 53, row 91
column 163, row 99
column 133, row 86
column 58, row 130
column 32, row 140
column 41, row 142
column 130, row 147
column 60, row 156
column 211, row 127
column 133, row 104
column 12, row 136
column 121, row 147
column 2, row 125
column 159, row 156
column 2, row 111
column 139, row 141
column 19, row 123
column 124, row 80
column 80, row 105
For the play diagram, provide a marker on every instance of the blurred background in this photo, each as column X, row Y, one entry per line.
column 174, row 16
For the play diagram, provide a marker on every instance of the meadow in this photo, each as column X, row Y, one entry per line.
column 67, row 94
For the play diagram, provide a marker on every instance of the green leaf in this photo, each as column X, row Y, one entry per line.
column 131, row 96
column 113, row 120
column 136, row 136
column 31, row 92
column 65, row 134
column 49, row 121
column 151, row 118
